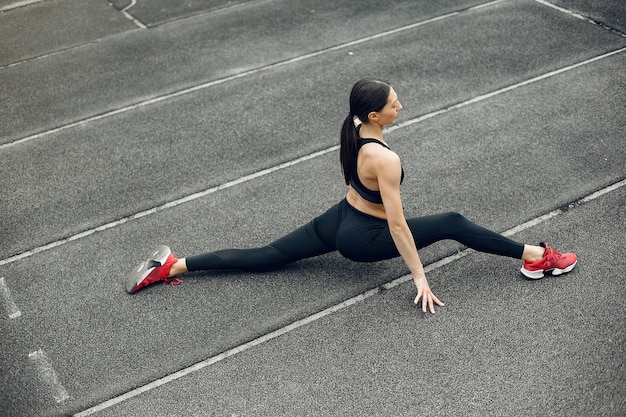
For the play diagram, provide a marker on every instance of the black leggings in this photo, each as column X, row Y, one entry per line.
column 357, row 236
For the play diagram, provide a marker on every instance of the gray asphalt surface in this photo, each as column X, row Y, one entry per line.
column 206, row 125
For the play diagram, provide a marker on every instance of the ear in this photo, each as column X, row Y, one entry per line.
column 372, row 117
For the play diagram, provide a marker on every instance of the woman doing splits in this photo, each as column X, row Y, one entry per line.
column 369, row 224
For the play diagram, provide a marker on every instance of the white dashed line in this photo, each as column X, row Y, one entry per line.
column 7, row 301
column 48, row 375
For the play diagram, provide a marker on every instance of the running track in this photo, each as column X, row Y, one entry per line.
column 215, row 125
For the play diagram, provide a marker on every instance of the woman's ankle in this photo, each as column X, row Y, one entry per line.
column 179, row 267
column 532, row 253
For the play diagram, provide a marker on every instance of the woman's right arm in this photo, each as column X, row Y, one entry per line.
column 389, row 172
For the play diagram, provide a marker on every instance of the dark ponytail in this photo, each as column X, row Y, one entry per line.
column 348, row 146
column 367, row 95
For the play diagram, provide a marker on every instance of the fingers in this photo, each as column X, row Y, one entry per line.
column 439, row 303
column 425, row 301
column 417, row 298
column 431, row 307
column 433, row 300
column 428, row 301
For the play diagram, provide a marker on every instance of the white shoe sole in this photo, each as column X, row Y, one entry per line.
column 158, row 258
column 541, row 272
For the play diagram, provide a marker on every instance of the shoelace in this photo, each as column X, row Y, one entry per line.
column 551, row 254
column 173, row 281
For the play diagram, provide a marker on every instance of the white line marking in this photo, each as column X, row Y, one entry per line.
column 569, row 12
column 38, row 57
column 532, row 223
column 131, row 17
column 603, row 191
column 428, row 268
column 482, row 6
column 8, row 302
column 326, row 312
column 221, row 9
column 48, row 376
column 230, row 78
column 167, row 205
column 585, row 18
column 227, row 354
column 264, row 172
column 504, row 90
column 18, row 4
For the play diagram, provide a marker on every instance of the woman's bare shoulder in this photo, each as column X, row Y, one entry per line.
column 382, row 155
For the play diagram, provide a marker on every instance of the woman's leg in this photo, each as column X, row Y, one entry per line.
column 430, row 229
column 363, row 238
column 366, row 239
column 454, row 226
column 313, row 239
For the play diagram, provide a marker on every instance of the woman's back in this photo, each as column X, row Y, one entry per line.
column 374, row 158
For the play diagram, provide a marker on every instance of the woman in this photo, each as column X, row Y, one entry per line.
column 369, row 224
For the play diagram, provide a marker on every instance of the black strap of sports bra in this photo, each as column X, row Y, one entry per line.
column 363, row 141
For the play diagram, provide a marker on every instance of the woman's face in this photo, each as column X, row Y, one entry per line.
column 388, row 114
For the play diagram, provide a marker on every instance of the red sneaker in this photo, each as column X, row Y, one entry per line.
column 156, row 268
column 553, row 262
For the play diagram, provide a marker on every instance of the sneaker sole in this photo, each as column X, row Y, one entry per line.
column 158, row 258
column 541, row 272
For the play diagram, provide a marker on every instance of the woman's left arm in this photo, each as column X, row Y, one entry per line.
column 389, row 171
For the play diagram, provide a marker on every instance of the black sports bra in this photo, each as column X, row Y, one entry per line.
column 369, row 195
